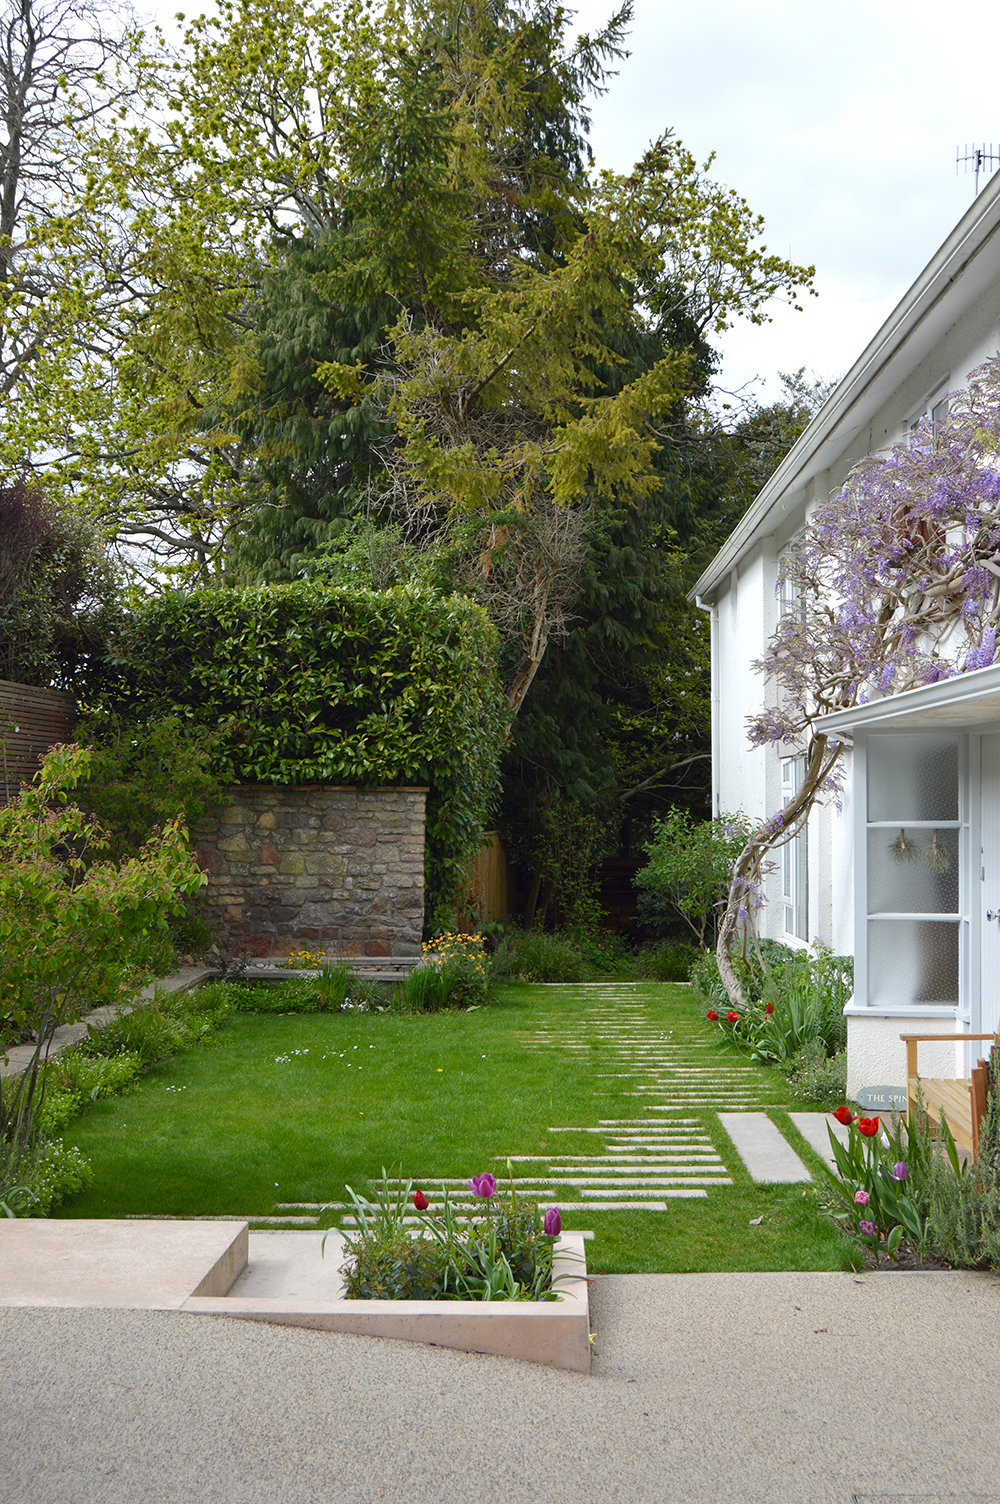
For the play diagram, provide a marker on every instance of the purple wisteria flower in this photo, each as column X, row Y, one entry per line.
column 552, row 1222
column 483, row 1186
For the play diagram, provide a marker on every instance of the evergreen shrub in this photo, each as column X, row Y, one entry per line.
column 305, row 683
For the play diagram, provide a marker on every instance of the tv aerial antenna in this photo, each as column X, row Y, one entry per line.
column 979, row 158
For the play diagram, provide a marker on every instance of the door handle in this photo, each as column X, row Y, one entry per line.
column 992, row 914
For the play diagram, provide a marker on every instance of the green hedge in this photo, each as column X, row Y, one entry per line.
column 313, row 684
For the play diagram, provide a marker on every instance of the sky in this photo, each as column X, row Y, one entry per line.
column 838, row 123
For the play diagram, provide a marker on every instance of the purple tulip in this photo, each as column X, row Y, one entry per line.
column 861, row 1198
column 868, row 1228
column 899, row 1170
column 483, row 1185
column 552, row 1222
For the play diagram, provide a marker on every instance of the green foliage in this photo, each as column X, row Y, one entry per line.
column 454, row 974
column 57, row 589
column 307, row 684
column 664, row 961
column 963, row 1218
column 54, row 1171
column 144, row 773
column 501, row 1254
column 534, row 956
column 689, row 869
column 73, row 1079
column 71, row 925
column 866, row 1184
column 794, row 997
column 814, row 1076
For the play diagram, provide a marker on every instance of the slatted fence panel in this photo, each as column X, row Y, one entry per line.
column 31, row 721
column 487, row 885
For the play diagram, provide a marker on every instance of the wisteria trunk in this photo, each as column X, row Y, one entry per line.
column 750, row 864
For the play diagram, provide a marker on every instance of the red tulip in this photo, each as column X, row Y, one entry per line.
column 868, row 1126
column 712, row 1016
column 769, row 1009
column 420, row 1201
column 844, row 1115
column 733, row 1017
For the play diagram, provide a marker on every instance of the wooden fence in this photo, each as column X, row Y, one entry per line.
column 31, row 721
column 487, row 892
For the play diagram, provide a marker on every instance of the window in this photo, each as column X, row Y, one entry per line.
column 914, row 835
column 795, row 856
column 936, row 410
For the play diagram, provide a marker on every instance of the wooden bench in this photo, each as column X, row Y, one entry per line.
column 960, row 1103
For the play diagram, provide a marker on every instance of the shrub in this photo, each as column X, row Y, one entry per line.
column 73, row 1079
column 71, row 927
column 307, row 683
column 533, row 956
column 462, row 967
column 665, row 961
column 815, row 1076
column 689, row 869
column 794, row 997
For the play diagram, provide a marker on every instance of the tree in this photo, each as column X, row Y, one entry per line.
column 896, row 583
column 58, row 590
column 66, row 72
column 688, row 871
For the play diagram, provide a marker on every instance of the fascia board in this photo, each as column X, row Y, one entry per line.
column 967, row 699
column 876, row 373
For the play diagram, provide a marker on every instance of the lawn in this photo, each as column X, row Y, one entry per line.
column 279, row 1109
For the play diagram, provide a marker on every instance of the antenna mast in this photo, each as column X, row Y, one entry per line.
column 980, row 157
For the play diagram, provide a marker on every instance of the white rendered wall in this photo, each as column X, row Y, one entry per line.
column 876, row 1056
column 750, row 779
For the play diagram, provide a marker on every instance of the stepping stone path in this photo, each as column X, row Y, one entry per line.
column 662, row 1152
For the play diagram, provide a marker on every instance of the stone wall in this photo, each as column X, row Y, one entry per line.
column 329, row 868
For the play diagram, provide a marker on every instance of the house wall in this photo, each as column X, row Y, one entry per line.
column 746, row 614
column 338, row 869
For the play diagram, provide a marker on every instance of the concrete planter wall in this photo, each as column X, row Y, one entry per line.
column 332, row 868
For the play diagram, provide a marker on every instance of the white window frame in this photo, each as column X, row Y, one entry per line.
column 795, row 857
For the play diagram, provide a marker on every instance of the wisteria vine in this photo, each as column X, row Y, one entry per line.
column 891, row 584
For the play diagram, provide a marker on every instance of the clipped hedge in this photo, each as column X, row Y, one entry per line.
column 313, row 684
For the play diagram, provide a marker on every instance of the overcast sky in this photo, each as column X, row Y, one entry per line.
column 838, row 123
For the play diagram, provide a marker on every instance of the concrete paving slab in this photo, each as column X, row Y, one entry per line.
column 813, row 1126
column 292, row 1264
column 147, row 1265
column 768, row 1156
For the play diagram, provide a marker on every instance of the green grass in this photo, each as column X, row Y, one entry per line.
column 241, row 1122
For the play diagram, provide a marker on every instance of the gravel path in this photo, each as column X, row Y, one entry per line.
column 755, row 1389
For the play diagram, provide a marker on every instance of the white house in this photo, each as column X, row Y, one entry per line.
column 926, row 941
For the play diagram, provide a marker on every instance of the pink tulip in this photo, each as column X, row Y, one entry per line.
column 483, row 1185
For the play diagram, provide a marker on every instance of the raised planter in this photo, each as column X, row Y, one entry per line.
column 189, row 1267
column 556, row 1333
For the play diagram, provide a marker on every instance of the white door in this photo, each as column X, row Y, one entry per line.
column 989, row 889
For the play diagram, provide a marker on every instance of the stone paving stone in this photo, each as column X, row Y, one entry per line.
column 813, row 1126
column 768, row 1156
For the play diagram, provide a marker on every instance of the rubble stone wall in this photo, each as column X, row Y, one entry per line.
column 325, row 867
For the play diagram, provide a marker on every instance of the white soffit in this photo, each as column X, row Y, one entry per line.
column 967, row 700
column 956, row 278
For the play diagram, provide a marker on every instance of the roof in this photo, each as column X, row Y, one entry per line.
column 971, row 699
column 953, row 280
